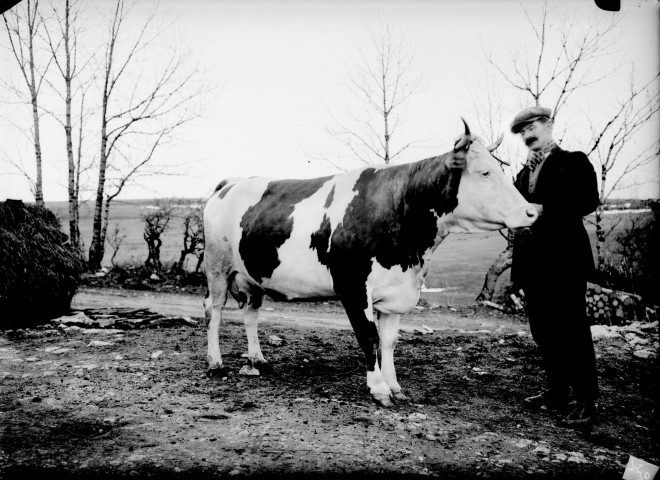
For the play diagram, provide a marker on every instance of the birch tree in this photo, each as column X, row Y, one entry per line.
column 63, row 43
column 140, row 111
column 23, row 25
column 610, row 145
column 381, row 82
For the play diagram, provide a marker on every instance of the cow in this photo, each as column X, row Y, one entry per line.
column 364, row 237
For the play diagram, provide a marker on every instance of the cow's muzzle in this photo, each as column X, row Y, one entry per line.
column 525, row 217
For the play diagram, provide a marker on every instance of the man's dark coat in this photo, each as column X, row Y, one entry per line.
column 557, row 244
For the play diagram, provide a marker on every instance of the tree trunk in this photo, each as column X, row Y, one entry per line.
column 182, row 258
column 74, row 231
column 76, row 184
column 200, row 259
column 97, row 247
column 153, row 259
column 600, row 231
column 38, row 190
column 499, row 266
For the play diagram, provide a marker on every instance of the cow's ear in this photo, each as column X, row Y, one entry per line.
column 457, row 159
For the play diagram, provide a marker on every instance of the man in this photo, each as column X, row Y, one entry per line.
column 552, row 261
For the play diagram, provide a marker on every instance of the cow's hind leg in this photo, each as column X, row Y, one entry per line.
column 213, row 305
column 367, row 336
column 251, row 321
column 389, row 334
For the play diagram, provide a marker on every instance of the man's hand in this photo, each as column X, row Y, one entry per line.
column 538, row 207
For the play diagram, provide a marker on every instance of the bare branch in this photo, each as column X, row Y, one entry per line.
column 382, row 84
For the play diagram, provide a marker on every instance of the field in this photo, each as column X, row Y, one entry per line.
column 458, row 265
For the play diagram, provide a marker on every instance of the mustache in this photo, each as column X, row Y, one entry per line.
column 530, row 140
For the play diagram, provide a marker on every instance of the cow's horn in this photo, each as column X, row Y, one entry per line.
column 497, row 143
column 465, row 140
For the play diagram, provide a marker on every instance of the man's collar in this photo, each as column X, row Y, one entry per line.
column 546, row 150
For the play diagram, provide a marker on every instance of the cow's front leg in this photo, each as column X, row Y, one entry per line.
column 213, row 305
column 367, row 336
column 389, row 334
column 251, row 321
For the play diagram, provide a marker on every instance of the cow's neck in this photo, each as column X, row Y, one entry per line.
column 431, row 196
column 433, row 185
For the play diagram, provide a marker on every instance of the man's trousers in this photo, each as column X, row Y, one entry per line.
column 560, row 328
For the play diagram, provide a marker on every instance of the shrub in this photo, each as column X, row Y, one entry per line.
column 633, row 265
column 39, row 269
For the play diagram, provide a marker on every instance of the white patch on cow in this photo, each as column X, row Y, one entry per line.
column 388, row 330
column 376, row 382
column 213, row 357
column 251, row 320
column 443, row 223
column 300, row 274
column 393, row 289
column 369, row 311
column 343, row 196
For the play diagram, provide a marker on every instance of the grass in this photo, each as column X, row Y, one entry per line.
column 458, row 265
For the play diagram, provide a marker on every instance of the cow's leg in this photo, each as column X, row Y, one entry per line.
column 213, row 305
column 367, row 336
column 251, row 321
column 389, row 334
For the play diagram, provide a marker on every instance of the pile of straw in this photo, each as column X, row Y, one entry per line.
column 39, row 270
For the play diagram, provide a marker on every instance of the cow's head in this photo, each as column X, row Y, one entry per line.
column 487, row 199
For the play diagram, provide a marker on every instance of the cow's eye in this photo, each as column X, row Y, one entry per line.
column 485, row 173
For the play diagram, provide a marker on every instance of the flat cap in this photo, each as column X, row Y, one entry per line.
column 529, row 115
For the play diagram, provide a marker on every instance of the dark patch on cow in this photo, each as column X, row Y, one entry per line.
column 268, row 224
column 366, row 332
column 331, row 196
column 321, row 240
column 240, row 297
column 390, row 219
column 224, row 191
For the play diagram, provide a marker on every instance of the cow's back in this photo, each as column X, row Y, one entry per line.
column 261, row 228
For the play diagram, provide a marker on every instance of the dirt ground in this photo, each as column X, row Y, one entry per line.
column 106, row 403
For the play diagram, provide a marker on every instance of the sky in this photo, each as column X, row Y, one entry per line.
column 279, row 75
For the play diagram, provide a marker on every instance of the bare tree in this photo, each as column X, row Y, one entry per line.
column 115, row 238
column 63, row 45
column 193, row 234
column 561, row 62
column 156, row 222
column 138, row 112
column 611, row 142
column 382, row 83
column 23, row 24
column 563, row 59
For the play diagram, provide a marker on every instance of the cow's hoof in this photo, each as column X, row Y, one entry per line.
column 264, row 368
column 219, row 371
column 382, row 399
column 249, row 371
column 399, row 397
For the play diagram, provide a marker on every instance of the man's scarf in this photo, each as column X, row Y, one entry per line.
column 535, row 157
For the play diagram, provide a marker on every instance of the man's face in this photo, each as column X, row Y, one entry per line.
column 536, row 134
